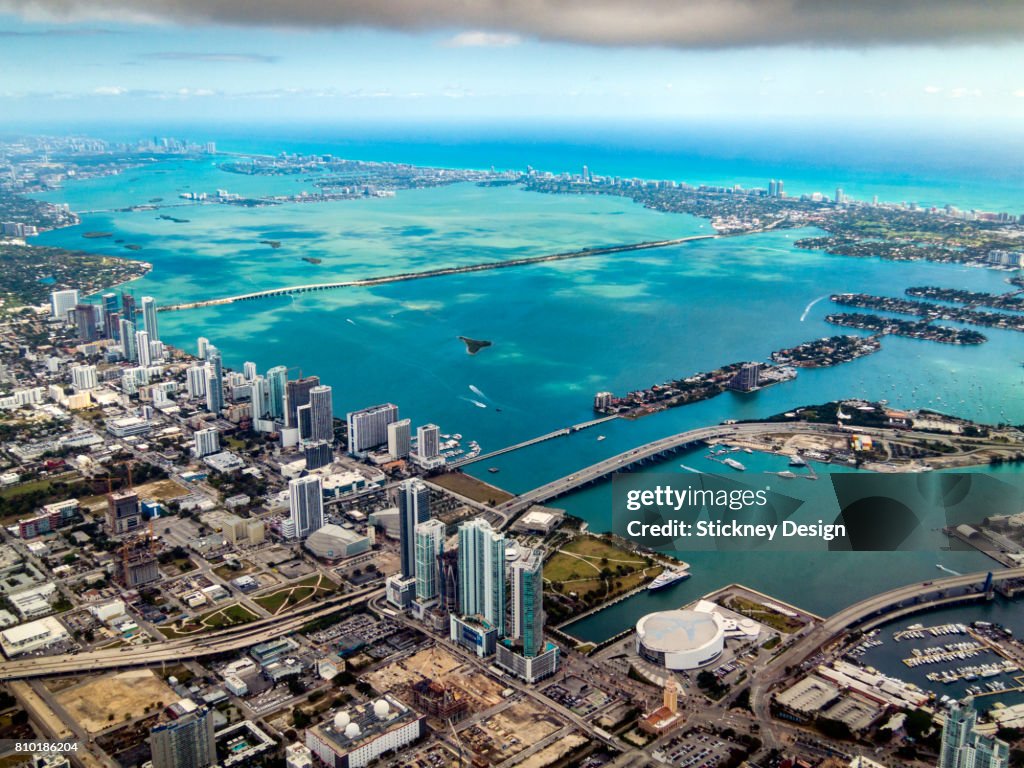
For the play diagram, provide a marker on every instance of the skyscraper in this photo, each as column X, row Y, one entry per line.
column 127, row 333
column 428, row 441
column 185, row 742
column 413, row 509
column 482, row 573
column 528, row 601
column 321, row 414
column 83, row 377
column 203, row 344
column 110, row 315
column 305, row 506
column 277, row 379
column 142, row 348
column 62, row 302
column 149, row 317
column 368, row 428
column 249, row 369
column 296, row 394
column 84, row 318
column 429, row 538
column 399, row 438
column 195, row 381
column 260, row 398
column 214, row 380
column 128, row 307
column 964, row 747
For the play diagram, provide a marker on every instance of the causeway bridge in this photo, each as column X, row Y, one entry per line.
column 653, row 452
column 428, row 273
column 563, row 432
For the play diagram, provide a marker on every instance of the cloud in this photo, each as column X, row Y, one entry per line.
column 212, row 58
column 110, row 90
column 478, row 39
column 57, row 31
column 670, row 23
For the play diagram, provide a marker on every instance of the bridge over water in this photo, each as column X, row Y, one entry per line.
column 440, row 272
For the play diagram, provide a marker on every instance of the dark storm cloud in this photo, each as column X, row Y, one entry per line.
column 672, row 23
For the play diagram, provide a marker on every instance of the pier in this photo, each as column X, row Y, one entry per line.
column 441, row 272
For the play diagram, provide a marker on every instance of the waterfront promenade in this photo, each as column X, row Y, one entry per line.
column 441, row 272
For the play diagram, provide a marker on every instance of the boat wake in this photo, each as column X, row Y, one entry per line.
column 477, row 403
column 350, row 320
column 476, row 391
column 691, row 469
column 807, row 309
column 950, row 571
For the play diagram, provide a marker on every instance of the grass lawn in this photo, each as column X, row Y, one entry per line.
column 471, row 488
column 578, row 564
column 292, row 594
column 765, row 615
column 221, row 617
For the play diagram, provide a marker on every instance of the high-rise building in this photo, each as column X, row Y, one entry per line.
column 214, row 380
column 203, row 345
column 964, row 747
column 127, row 335
column 296, row 394
column 528, row 601
column 62, row 302
column 84, row 318
column 321, row 414
column 448, row 580
column 482, row 573
column 277, row 382
column 399, row 438
column 149, row 317
column 747, row 379
column 304, row 419
column 110, row 315
column 413, row 509
column 259, row 396
column 429, row 545
column 123, row 512
column 840, row 197
column 207, row 441
column 368, row 428
column 187, row 741
column 195, row 381
column 83, row 377
column 128, row 307
column 428, row 441
column 142, row 348
column 780, row 190
column 773, row 188
column 305, row 505
column 318, row 454
column 249, row 370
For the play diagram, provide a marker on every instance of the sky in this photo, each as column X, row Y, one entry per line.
column 938, row 62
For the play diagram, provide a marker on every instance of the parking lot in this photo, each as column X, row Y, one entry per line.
column 578, row 695
column 697, row 749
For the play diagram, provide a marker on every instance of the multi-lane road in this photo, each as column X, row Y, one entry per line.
column 204, row 644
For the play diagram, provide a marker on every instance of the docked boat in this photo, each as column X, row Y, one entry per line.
column 493, row 470
column 667, row 577
column 730, row 462
column 600, row 438
column 797, row 461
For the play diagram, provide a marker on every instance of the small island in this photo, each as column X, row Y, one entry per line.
column 176, row 220
column 312, row 259
column 133, row 247
column 96, row 235
column 271, row 243
column 474, row 345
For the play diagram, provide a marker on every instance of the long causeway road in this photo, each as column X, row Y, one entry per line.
column 440, row 272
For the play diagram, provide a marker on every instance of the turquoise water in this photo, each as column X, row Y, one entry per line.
column 560, row 331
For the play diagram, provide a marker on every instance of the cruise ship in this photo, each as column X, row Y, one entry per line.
column 667, row 577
